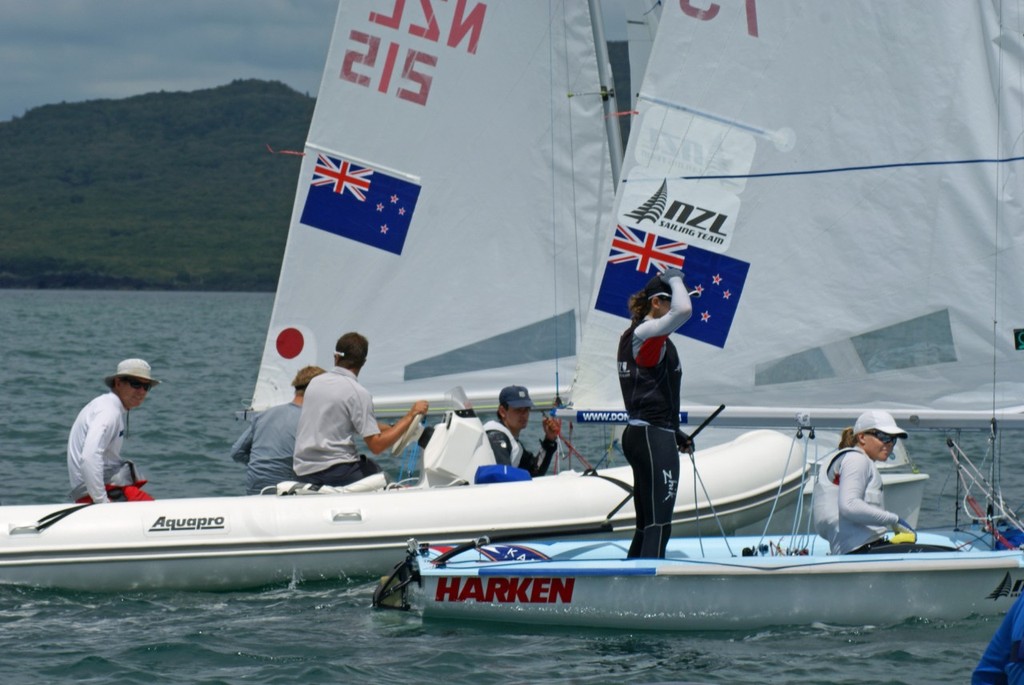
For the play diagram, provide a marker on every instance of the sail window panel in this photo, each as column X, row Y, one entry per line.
column 552, row 338
column 922, row 341
column 808, row 365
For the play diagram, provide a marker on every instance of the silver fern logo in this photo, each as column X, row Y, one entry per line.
column 653, row 208
column 1003, row 589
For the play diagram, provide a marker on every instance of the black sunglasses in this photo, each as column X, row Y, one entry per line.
column 137, row 384
column 884, row 438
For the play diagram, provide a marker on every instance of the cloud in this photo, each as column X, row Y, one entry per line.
column 73, row 50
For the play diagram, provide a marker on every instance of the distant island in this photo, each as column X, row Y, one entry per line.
column 169, row 191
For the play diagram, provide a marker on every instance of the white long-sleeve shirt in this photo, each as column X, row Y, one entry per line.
column 857, row 516
column 94, row 445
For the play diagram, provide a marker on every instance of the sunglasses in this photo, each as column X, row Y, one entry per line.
column 137, row 384
column 884, row 438
column 663, row 298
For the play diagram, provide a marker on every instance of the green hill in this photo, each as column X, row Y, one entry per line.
column 165, row 190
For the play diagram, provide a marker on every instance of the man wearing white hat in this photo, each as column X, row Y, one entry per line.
column 95, row 468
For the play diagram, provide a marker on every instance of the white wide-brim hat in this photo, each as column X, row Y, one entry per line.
column 132, row 368
column 878, row 420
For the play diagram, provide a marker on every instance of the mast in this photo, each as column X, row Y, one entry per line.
column 611, row 121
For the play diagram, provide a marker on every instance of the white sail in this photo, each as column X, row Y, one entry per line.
column 478, row 127
column 850, row 173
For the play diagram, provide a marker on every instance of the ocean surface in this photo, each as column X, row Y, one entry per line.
column 57, row 347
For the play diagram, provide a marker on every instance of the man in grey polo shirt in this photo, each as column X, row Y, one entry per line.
column 336, row 410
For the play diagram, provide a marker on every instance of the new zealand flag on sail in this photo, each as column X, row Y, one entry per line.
column 636, row 256
column 359, row 202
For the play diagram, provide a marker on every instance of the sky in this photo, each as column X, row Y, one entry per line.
column 54, row 51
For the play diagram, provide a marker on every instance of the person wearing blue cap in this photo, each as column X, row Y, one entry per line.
column 514, row 405
column 650, row 375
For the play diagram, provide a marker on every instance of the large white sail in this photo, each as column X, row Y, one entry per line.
column 842, row 181
column 454, row 183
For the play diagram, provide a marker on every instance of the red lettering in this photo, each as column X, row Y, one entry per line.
column 447, row 590
column 473, row 589
column 394, row 20
column 361, row 64
column 752, row 18
column 540, row 590
column 389, row 68
column 519, row 588
column 697, row 13
column 462, row 24
column 561, row 590
column 353, row 58
column 497, row 589
column 411, row 74
column 506, row 590
column 711, row 11
column 431, row 31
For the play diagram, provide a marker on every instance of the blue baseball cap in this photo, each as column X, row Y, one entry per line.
column 515, row 396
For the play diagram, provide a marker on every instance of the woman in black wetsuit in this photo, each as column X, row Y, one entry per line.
column 650, row 375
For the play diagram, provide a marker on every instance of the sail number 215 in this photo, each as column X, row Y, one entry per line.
column 389, row 65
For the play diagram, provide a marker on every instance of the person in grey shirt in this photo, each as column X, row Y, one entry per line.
column 337, row 410
column 267, row 445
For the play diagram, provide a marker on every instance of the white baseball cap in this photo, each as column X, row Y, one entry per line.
column 878, row 420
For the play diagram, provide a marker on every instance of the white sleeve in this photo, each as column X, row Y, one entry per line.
column 678, row 314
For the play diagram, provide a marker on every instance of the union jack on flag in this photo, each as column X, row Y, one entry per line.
column 646, row 249
column 719, row 280
column 357, row 201
column 343, row 175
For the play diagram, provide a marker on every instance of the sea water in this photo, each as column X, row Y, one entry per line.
column 206, row 348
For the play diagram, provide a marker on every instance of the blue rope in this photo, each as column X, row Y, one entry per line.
column 410, row 457
column 849, row 169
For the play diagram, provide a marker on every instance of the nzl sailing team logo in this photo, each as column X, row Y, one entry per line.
column 699, row 214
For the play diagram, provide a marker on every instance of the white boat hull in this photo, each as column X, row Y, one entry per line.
column 222, row 543
column 595, row 586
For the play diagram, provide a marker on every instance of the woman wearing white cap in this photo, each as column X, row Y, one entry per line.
column 95, row 468
column 848, row 504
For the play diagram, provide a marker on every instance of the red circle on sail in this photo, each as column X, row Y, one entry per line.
column 290, row 343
